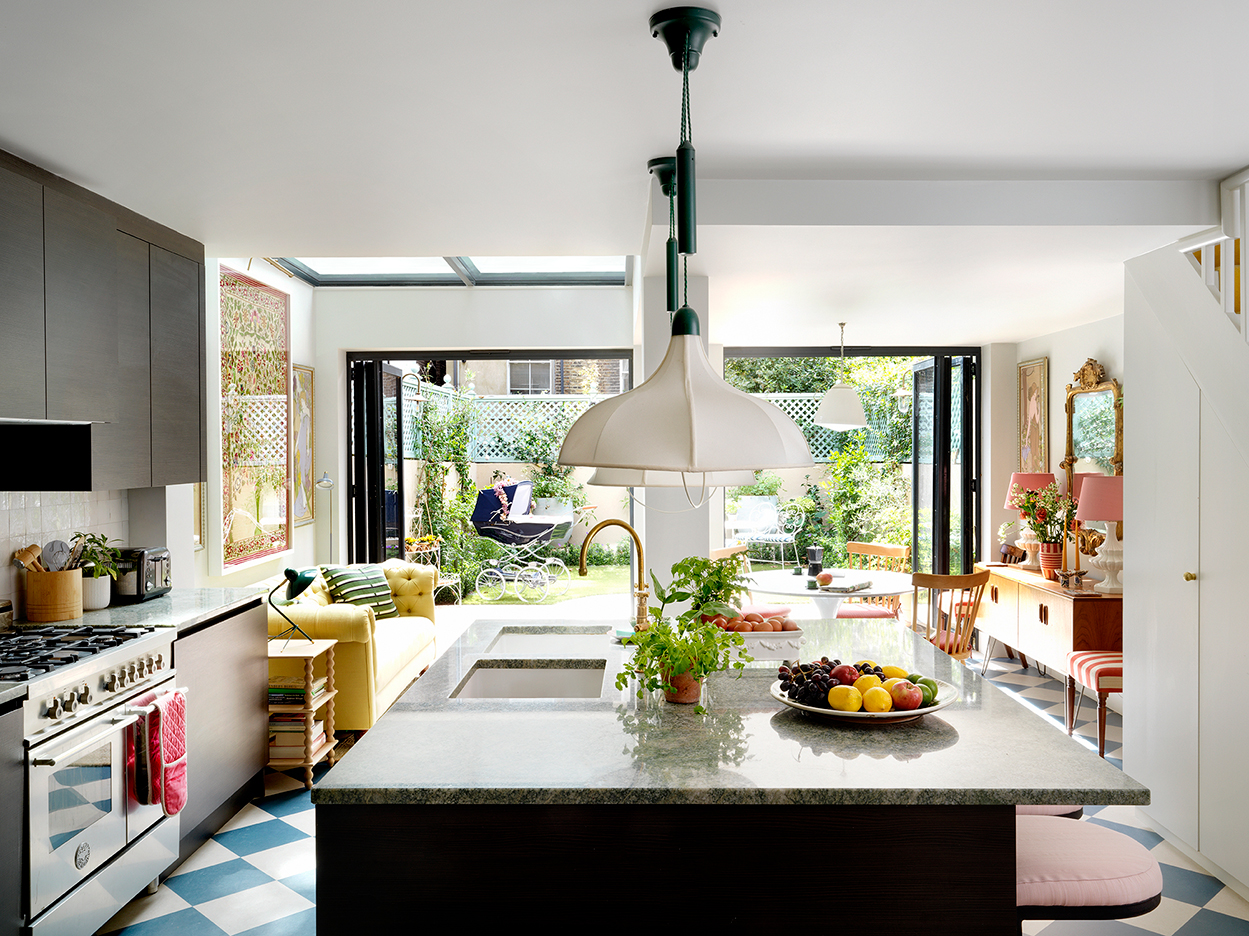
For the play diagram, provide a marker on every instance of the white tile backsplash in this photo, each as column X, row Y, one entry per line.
column 39, row 517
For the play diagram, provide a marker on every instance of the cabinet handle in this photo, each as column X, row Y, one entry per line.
column 1190, row 576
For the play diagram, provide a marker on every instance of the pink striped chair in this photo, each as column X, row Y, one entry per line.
column 1101, row 671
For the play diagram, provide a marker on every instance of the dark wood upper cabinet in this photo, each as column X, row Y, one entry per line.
column 122, row 450
column 21, row 298
column 175, row 357
column 80, row 309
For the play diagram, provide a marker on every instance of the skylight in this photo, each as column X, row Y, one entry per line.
column 458, row 271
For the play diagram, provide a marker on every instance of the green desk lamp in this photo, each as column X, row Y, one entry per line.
column 296, row 584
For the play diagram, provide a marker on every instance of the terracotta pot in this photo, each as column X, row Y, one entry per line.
column 1051, row 556
column 688, row 689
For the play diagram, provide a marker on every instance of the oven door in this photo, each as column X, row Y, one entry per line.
column 77, row 805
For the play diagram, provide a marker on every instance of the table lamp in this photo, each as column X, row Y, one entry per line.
column 296, row 584
column 1028, row 481
column 1101, row 498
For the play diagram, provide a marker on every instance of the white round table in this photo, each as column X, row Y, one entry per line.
column 784, row 582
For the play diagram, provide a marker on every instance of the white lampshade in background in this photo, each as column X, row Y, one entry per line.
column 632, row 477
column 685, row 417
column 840, row 409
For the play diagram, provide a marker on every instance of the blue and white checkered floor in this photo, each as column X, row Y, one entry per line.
column 257, row 876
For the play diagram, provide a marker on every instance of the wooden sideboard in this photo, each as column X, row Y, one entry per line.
column 1038, row 619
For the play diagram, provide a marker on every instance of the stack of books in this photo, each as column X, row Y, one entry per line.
column 286, row 735
column 289, row 690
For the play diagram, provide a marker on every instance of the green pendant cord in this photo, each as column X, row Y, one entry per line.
column 687, row 135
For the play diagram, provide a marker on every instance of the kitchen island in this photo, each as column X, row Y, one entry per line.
column 561, row 807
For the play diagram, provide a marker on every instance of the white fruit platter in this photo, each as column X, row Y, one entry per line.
column 946, row 695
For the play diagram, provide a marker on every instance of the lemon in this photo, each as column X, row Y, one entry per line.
column 861, row 663
column 877, row 699
column 890, row 683
column 845, row 698
column 894, row 672
column 864, row 683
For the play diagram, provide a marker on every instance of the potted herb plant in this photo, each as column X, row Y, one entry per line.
column 677, row 654
column 711, row 586
column 98, row 561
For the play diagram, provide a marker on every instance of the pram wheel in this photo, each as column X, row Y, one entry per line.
column 557, row 576
column 531, row 584
column 491, row 584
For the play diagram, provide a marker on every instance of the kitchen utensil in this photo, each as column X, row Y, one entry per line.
column 75, row 555
column 56, row 555
column 28, row 559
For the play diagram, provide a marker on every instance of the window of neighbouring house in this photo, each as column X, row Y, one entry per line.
column 529, row 377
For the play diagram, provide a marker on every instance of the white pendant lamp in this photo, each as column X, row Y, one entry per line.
column 840, row 409
column 685, row 417
column 632, row 477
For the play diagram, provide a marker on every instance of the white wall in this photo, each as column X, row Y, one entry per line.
column 452, row 318
column 208, row 570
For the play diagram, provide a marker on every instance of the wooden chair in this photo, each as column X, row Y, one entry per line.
column 875, row 556
column 953, row 602
column 766, row 611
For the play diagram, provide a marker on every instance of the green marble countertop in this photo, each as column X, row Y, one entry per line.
column 748, row 748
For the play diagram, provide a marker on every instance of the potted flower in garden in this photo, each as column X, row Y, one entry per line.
column 1049, row 515
column 98, row 560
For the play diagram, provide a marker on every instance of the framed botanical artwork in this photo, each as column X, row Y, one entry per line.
column 1034, row 453
column 255, row 420
column 302, row 501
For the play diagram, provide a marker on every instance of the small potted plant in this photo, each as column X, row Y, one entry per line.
column 1049, row 515
column 677, row 654
column 98, row 560
column 711, row 586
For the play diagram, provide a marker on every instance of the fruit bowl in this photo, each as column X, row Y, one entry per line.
column 946, row 695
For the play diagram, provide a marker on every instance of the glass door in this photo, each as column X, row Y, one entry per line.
column 366, row 464
column 944, row 473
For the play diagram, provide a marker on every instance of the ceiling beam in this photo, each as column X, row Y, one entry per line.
column 936, row 203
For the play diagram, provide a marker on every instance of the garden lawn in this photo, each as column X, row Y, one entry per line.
column 602, row 580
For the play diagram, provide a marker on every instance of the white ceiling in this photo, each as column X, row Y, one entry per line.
column 386, row 128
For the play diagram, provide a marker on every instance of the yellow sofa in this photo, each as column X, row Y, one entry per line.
column 375, row 660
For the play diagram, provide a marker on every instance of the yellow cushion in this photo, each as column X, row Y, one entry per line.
column 396, row 642
column 411, row 586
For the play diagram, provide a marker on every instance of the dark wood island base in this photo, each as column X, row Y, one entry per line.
column 945, row 869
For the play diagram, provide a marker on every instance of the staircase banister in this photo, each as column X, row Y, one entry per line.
column 1201, row 239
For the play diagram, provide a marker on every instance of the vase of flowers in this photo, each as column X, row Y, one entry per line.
column 1049, row 515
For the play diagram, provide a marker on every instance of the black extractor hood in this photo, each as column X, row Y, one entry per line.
column 45, row 456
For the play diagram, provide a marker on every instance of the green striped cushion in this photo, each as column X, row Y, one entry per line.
column 361, row 585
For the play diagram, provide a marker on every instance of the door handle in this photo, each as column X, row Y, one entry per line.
column 1190, row 576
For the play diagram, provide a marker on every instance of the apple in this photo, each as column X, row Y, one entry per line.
column 845, row 674
column 824, row 578
column 906, row 695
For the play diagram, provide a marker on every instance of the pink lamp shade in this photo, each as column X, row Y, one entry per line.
column 1101, row 499
column 1078, row 480
column 1027, row 481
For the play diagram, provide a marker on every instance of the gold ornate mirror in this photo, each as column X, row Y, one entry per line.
column 1094, row 427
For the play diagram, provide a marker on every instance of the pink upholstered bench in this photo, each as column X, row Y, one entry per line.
column 1066, row 812
column 1081, row 871
column 1101, row 671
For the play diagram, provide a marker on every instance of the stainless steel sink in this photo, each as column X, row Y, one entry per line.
column 533, row 679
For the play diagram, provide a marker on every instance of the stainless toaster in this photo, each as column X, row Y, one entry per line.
column 142, row 573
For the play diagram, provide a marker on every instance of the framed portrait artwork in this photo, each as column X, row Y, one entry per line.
column 1034, row 415
column 302, row 501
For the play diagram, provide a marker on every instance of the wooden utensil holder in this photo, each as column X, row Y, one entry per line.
column 54, row 596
